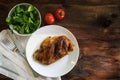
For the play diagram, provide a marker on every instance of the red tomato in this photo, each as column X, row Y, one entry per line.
column 59, row 14
column 49, row 18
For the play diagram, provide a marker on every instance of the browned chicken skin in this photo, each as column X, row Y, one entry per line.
column 52, row 49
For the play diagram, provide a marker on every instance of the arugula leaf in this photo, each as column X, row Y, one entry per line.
column 27, row 29
column 8, row 20
column 18, row 19
column 30, row 20
column 19, row 9
column 31, row 8
column 31, row 15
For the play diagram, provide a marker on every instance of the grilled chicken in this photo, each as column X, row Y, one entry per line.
column 52, row 49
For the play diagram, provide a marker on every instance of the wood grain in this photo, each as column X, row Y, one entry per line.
column 96, row 26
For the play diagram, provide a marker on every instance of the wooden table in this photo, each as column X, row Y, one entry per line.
column 95, row 24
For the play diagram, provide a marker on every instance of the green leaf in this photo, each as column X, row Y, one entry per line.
column 18, row 19
column 19, row 9
column 21, row 30
column 27, row 28
column 8, row 20
column 30, row 20
column 37, row 22
column 24, row 7
column 16, row 27
column 31, row 15
column 25, row 18
column 31, row 8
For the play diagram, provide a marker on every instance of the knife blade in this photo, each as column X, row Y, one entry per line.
column 17, row 43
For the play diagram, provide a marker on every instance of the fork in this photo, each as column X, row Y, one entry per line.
column 10, row 45
column 7, row 42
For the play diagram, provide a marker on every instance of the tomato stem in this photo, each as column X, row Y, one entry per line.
column 60, row 13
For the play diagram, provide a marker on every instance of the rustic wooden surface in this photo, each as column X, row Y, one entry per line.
column 95, row 24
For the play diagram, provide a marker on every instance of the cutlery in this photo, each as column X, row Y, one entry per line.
column 17, row 43
column 7, row 64
column 15, row 58
column 6, row 42
column 9, row 44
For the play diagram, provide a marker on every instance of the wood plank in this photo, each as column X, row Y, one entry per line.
column 95, row 24
column 64, row 2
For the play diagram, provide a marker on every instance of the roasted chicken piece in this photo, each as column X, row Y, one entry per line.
column 52, row 49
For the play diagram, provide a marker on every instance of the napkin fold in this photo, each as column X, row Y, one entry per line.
column 15, row 66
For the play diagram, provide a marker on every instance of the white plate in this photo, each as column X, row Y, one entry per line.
column 60, row 67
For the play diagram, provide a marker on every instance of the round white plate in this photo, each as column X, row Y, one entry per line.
column 60, row 67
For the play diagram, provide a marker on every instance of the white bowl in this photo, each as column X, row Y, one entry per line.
column 12, row 10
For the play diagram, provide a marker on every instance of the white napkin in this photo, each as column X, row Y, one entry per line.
column 15, row 66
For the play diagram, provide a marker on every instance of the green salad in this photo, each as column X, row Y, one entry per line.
column 25, row 19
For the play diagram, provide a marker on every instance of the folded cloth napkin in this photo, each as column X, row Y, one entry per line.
column 15, row 66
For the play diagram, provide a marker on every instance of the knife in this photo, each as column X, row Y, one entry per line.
column 17, row 43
